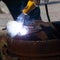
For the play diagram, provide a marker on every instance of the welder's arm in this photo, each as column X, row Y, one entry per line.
column 30, row 6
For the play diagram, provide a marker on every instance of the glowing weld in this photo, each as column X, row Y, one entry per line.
column 15, row 28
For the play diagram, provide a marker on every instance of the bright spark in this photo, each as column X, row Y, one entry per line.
column 14, row 28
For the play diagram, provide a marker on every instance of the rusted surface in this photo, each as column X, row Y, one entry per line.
column 33, row 50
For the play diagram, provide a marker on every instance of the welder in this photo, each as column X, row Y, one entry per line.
column 17, row 6
column 30, row 13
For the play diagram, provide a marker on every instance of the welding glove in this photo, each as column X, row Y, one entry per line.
column 23, row 17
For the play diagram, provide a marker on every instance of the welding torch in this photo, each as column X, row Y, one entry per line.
column 32, row 4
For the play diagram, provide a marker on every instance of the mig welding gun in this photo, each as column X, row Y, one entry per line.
column 29, row 7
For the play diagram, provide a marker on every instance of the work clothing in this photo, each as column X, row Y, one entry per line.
column 16, row 7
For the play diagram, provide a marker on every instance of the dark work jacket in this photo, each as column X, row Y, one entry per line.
column 16, row 6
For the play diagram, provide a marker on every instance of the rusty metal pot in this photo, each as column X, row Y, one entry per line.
column 33, row 50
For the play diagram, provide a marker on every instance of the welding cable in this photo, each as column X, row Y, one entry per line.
column 48, row 17
column 47, row 13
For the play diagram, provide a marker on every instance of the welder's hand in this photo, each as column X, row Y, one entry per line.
column 23, row 17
